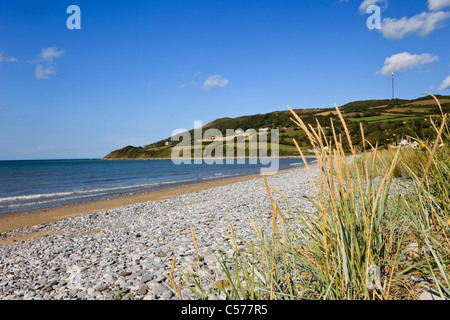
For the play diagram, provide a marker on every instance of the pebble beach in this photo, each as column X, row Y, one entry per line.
column 127, row 252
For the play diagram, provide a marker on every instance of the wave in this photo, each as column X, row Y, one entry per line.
column 177, row 181
column 221, row 176
column 88, row 191
column 52, row 200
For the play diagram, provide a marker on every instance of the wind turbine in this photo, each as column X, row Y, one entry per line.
column 393, row 92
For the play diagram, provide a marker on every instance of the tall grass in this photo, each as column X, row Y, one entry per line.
column 374, row 234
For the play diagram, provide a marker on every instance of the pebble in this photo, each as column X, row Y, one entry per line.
column 131, row 248
column 412, row 251
column 429, row 295
column 146, row 278
column 142, row 289
column 125, row 273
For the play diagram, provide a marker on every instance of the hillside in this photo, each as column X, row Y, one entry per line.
column 383, row 121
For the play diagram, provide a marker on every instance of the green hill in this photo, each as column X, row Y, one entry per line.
column 383, row 121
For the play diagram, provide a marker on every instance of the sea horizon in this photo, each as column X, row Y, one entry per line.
column 129, row 159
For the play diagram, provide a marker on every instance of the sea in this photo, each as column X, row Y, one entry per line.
column 38, row 184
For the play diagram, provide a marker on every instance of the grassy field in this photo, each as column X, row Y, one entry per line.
column 375, row 118
column 375, row 115
column 382, row 231
column 385, row 118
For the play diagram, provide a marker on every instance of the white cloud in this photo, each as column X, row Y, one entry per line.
column 213, row 82
column 438, row 4
column 404, row 61
column 45, row 65
column 422, row 24
column 44, row 72
column 446, row 84
column 149, row 85
column 182, row 86
column 49, row 54
column 7, row 59
column 367, row 3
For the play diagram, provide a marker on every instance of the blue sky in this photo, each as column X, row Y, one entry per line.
column 137, row 70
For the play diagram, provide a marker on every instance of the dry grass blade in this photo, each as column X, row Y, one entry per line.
column 280, row 193
column 259, row 236
column 345, row 128
column 233, row 237
column 281, row 215
column 198, row 257
column 267, row 189
column 437, row 100
column 302, row 125
column 274, row 235
column 362, row 135
column 436, row 143
column 172, row 280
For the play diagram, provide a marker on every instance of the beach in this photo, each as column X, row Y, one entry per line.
column 12, row 221
column 97, row 249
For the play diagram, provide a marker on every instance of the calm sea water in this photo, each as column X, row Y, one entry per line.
column 26, row 185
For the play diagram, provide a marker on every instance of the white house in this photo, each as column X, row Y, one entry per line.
column 405, row 144
column 415, row 145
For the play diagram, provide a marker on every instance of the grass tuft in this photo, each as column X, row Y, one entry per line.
column 381, row 231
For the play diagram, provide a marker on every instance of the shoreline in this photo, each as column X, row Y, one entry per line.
column 203, row 158
column 133, row 248
column 29, row 218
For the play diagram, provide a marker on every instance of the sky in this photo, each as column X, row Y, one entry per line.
column 135, row 71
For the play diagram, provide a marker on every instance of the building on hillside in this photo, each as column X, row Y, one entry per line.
column 405, row 144
column 217, row 137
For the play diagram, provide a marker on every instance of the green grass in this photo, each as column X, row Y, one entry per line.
column 400, row 119
column 371, row 119
column 284, row 147
column 381, row 119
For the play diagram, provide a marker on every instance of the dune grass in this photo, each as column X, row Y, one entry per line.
column 381, row 231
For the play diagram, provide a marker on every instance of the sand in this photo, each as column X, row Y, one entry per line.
column 13, row 221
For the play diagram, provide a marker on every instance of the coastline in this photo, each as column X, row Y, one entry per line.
column 134, row 247
column 18, row 220
column 203, row 158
